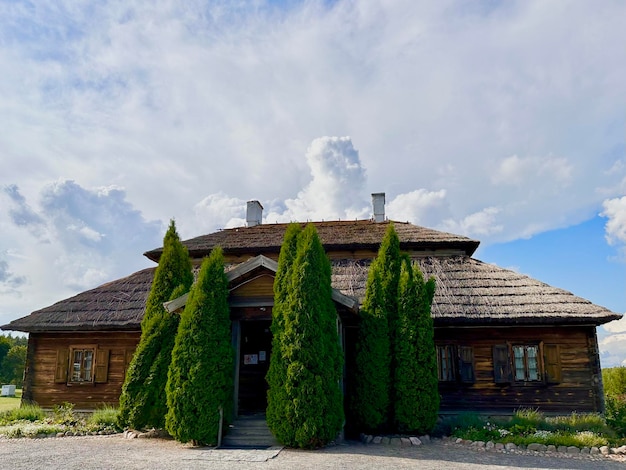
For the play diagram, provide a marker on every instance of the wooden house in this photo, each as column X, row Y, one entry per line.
column 504, row 341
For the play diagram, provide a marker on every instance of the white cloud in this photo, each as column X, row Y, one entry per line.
column 526, row 171
column 613, row 350
column 616, row 326
column 420, row 207
column 615, row 211
column 479, row 224
column 72, row 239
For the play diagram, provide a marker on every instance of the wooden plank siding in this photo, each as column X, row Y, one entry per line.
column 579, row 385
column 46, row 347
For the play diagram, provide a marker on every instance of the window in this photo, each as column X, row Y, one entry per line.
column 522, row 363
column 466, row 364
column 82, row 365
column 526, row 363
column 445, row 363
column 455, row 363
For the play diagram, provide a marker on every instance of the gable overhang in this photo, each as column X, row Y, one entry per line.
column 249, row 271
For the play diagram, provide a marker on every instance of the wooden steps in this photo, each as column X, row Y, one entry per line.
column 249, row 432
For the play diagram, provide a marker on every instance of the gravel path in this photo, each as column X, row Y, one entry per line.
column 115, row 452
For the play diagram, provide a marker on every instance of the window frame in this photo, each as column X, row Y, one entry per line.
column 459, row 360
column 65, row 365
column 71, row 372
column 548, row 363
column 526, row 363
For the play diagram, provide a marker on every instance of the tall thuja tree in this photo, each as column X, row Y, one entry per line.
column 375, row 364
column 200, row 379
column 416, row 387
column 276, row 375
column 143, row 401
column 311, row 355
column 426, row 381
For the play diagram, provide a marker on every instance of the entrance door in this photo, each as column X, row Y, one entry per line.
column 254, row 361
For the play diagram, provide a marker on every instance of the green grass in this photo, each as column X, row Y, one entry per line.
column 104, row 418
column 32, row 420
column 24, row 413
column 530, row 426
column 9, row 403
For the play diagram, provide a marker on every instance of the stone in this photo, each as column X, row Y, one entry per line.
column 458, row 440
column 386, row 441
column 621, row 450
column 490, row 445
column 142, row 435
column 551, row 448
column 405, row 441
column 499, row 446
column 573, row 450
column 604, row 450
column 594, row 450
column 510, row 446
column 562, row 449
column 368, row 438
column 60, row 434
column 69, row 433
column 425, row 439
column 395, row 442
column 585, row 450
column 480, row 444
column 377, row 440
column 415, row 441
column 536, row 447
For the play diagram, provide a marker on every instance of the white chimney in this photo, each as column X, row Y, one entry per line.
column 254, row 213
column 378, row 203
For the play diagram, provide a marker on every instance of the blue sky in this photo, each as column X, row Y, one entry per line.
column 502, row 121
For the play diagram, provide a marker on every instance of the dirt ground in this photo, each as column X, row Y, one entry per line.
column 115, row 452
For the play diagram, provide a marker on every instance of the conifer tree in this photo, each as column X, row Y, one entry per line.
column 310, row 351
column 426, row 381
column 276, row 375
column 416, row 386
column 375, row 366
column 200, row 379
column 143, row 401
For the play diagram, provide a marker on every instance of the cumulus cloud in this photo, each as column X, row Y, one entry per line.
column 613, row 350
column 337, row 183
column 22, row 214
column 91, row 236
column 615, row 211
column 518, row 171
column 8, row 280
column 479, row 224
column 219, row 211
column 420, row 207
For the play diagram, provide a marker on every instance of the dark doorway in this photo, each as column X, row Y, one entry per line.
column 254, row 362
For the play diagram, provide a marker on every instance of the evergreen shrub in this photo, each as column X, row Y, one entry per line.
column 143, row 401
column 200, row 379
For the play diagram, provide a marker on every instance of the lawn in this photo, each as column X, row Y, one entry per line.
column 8, row 403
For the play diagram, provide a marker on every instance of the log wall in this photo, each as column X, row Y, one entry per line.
column 579, row 388
column 46, row 347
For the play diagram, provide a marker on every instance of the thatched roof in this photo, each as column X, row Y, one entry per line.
column 117, row 305
column 469, row 292
column 335, row 235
